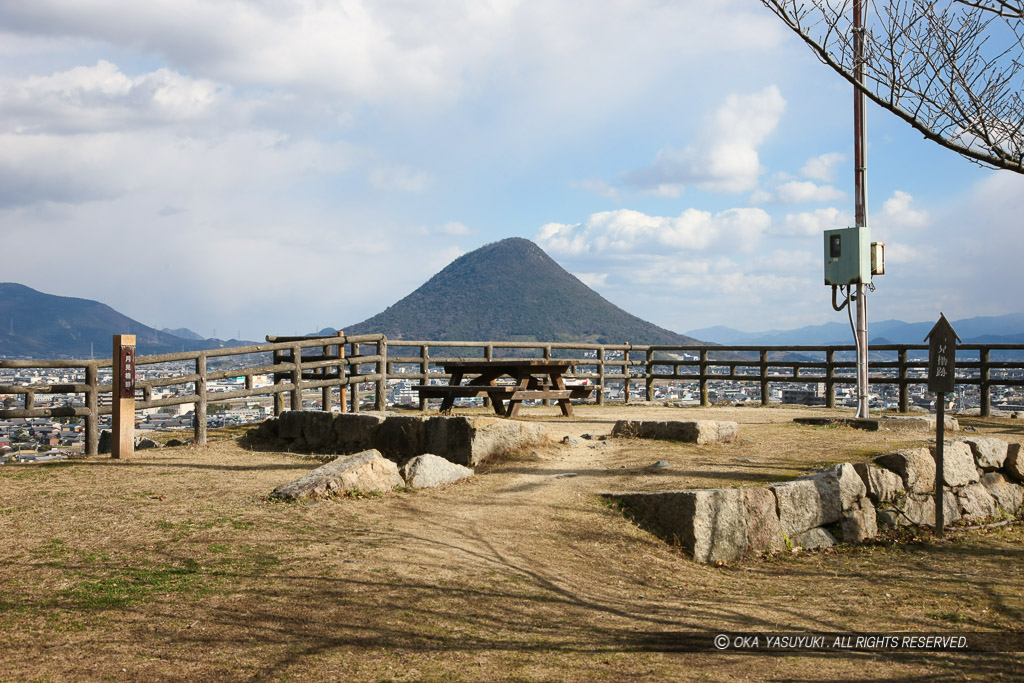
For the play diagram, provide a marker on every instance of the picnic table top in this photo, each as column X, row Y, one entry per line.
column 539, row 363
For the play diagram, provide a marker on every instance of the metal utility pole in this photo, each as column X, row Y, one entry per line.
column 861, row 203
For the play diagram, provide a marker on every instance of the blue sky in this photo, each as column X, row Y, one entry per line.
column 277, row 167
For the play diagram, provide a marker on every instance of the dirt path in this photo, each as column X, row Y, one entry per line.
column 176, row 566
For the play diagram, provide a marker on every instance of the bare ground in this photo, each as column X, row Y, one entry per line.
column 175, row 565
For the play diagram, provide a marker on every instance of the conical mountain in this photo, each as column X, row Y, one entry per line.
column 511, row 291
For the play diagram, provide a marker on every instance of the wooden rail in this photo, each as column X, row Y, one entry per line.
column 628, row 364
column 341, row 363
column 303, row 372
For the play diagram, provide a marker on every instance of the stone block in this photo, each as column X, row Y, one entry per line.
column 859, row 522
column 429, row 470
column 919, row 508
column 400, row 437
column 366, row 471
column 764, row 531
column 1008, row 495
column 989, row 452
column 958, row 468
column 916, row 467
column 289, row 424
column 882, row 485
column 471, row 440
column 805, row 504
column 317, row 431
column 976, row 503
column 1014, row 464
column 356, row 432
column 691, row 431
column 709, row 524
column 814, row 538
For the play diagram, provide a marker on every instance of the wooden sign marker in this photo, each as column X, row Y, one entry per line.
column 122, row 442
column 942, row 342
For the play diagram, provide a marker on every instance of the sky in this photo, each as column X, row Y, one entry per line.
column 244, row 168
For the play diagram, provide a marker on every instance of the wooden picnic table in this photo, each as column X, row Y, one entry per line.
column 529, row 379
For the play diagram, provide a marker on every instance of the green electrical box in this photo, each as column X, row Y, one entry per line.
column 848, row 256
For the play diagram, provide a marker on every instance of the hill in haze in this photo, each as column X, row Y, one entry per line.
column 46, row 326
column 512, row 291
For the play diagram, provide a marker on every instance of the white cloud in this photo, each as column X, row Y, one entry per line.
column 822, row 167
column 723, row 157
column 593, row 280
column 101, row 98
column 627, row 231
column 401, row 178
column 898, row 212
column 807, row 223
column 797, row 192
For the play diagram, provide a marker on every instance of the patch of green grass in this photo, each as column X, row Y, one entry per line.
column 132, row 585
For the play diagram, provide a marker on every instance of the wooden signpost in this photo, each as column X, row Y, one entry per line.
column 122, row 442
column 942, row 342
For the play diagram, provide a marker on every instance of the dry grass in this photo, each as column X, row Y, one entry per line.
column 174, row 565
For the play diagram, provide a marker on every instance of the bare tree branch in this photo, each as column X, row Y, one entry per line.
column 953, row 70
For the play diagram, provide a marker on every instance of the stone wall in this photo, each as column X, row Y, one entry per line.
column 982, row 479
column 462, row 440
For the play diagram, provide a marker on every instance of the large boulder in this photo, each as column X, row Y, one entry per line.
column 989, row 453
column 858, row 522
column 699, row 432
column 709, row 523
column 814, row 538
column 882, row 485
column 958, row 468
column 817, row 499
column 764, row 531
column 916, row 467
column 918, row 509
column 356, row 432
column 400, row 437
column 366, row 471
column 429, row 470
column 976, row 502
column 1014, row 464
column 1008, row 495
column 471, row 440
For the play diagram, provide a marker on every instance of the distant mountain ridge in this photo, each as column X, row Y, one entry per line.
column 41, row 325
column 511, row 291
column 1004, row 329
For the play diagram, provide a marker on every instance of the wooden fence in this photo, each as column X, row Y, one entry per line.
column 902, row 365
column 340, row 362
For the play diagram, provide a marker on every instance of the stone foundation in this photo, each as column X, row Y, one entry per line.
column 981, row 480
column 461, row 440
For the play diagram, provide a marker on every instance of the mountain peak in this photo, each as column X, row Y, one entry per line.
column 511, row 290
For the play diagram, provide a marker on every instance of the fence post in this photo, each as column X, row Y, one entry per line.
column 765, row 391
column 600, row 376
column 200, row 390
column 278, row 396
column 830, row 378
column 904, row 387
column 296, row 398
column 122, row 426
column 342, row 368
column 985, row 387
column 488, row 356
column 326, row 397
column 382, row 370
column 424, row 372
column 356, row 399
column 92, row 403
column 625, row 373
column 649, row 374
column 703, row 379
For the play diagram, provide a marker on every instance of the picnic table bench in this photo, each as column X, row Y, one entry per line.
column 523, row 379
